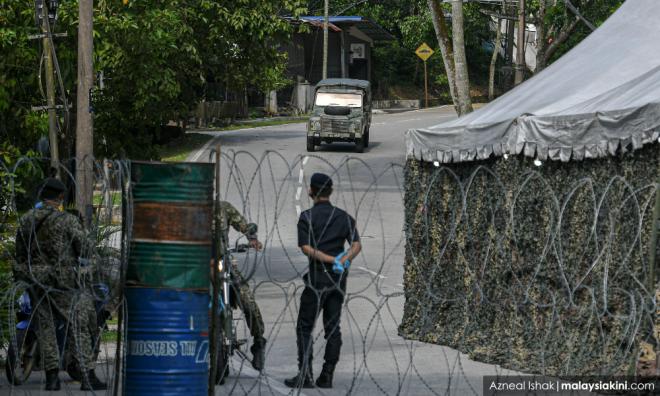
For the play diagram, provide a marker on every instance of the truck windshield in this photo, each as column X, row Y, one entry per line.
column 338, row 99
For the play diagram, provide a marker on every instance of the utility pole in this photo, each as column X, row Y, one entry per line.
column 326, row 21
column 520, row 57
column 50, row 88
column 84, row 131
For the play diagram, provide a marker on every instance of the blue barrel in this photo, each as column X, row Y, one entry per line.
column 167, row 348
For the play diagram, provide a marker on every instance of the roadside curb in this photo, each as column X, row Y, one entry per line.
column 197, row 153
column 266, row 119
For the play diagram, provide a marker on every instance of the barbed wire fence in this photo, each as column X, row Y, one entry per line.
column 458, row 239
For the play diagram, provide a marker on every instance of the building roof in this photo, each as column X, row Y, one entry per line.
column 366, row 25
column 346, row 82
column 600, row 98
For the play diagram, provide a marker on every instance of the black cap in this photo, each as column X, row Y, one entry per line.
column 320, row 180
column 51, row 188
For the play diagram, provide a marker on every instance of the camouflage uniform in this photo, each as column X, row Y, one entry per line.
column 230, row 216
column 48, row 246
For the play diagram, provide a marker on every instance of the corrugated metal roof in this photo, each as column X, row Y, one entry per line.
column 367, row 26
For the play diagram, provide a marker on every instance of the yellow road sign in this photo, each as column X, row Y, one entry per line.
column 424, row 51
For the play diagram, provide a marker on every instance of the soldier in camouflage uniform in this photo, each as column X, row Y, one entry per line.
column 49, row 246
column 230, row 216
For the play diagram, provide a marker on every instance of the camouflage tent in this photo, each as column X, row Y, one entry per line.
column 531, row 240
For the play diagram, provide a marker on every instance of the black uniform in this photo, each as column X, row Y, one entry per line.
column 325, row 228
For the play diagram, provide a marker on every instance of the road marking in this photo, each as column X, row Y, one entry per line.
column 205, row 147
column 267, row 380
column 372, row 272
column 217, row 134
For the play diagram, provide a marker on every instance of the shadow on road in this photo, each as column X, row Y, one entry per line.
column 345, row 147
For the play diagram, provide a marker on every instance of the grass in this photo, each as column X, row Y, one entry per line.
column 233, row 127
column 179, row 149
column 115, row 197
column 109, row 336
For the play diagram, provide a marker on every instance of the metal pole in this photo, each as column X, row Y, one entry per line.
column 213, row 342
column 653, row 245
column 520, row 57
column 326, row 21
column 426, row 86
column 50, row 90
column 653, row 248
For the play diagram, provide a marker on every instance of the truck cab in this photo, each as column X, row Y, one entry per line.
column 341, row 113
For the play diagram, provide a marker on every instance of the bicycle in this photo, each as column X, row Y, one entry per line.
column 228, row 341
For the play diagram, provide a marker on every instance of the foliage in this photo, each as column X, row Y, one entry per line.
column 18, row 76
column 19, row 174
column 410, row 23
column 157, row 59
column 595, row 11
column 558, row 19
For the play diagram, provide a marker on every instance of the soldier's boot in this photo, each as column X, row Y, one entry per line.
column 304, row 378
column 301, row 380
column 52, row 380
column 325, row 378
column 258, row 350
column 92, row 382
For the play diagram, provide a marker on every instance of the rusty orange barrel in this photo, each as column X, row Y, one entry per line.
column 171, row 225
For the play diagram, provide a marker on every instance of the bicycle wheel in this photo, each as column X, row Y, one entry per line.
column 223, row 362
column 19, row 365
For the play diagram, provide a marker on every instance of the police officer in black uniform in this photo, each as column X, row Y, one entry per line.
column 323, row 231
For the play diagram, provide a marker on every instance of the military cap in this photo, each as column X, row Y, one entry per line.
column 51, row 188
column 320, row 180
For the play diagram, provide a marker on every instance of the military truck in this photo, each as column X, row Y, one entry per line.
column 342, row 113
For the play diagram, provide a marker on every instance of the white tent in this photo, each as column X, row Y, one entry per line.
column 602, row 96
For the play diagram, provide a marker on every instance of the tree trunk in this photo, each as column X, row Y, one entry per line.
column 493, row 61
column 442, row 34
column 510, row 34
column 563, row 35
column 460, row 61
column 548, row 49
column 521, row 64
column 541, row 39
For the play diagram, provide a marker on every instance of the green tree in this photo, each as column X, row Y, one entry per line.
column 19, row 67
column 559, row 29
column 157, row 59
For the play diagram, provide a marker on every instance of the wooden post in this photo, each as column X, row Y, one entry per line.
column 326, row 21
column 84, row 131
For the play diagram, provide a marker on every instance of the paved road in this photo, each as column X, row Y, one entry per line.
column 262, row 170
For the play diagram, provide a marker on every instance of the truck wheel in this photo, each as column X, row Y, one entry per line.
column 366, row 137
column 359, row 145
column 310, row 144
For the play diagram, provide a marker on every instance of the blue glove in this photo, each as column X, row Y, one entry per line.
column 337, row 267
column 347, row 264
